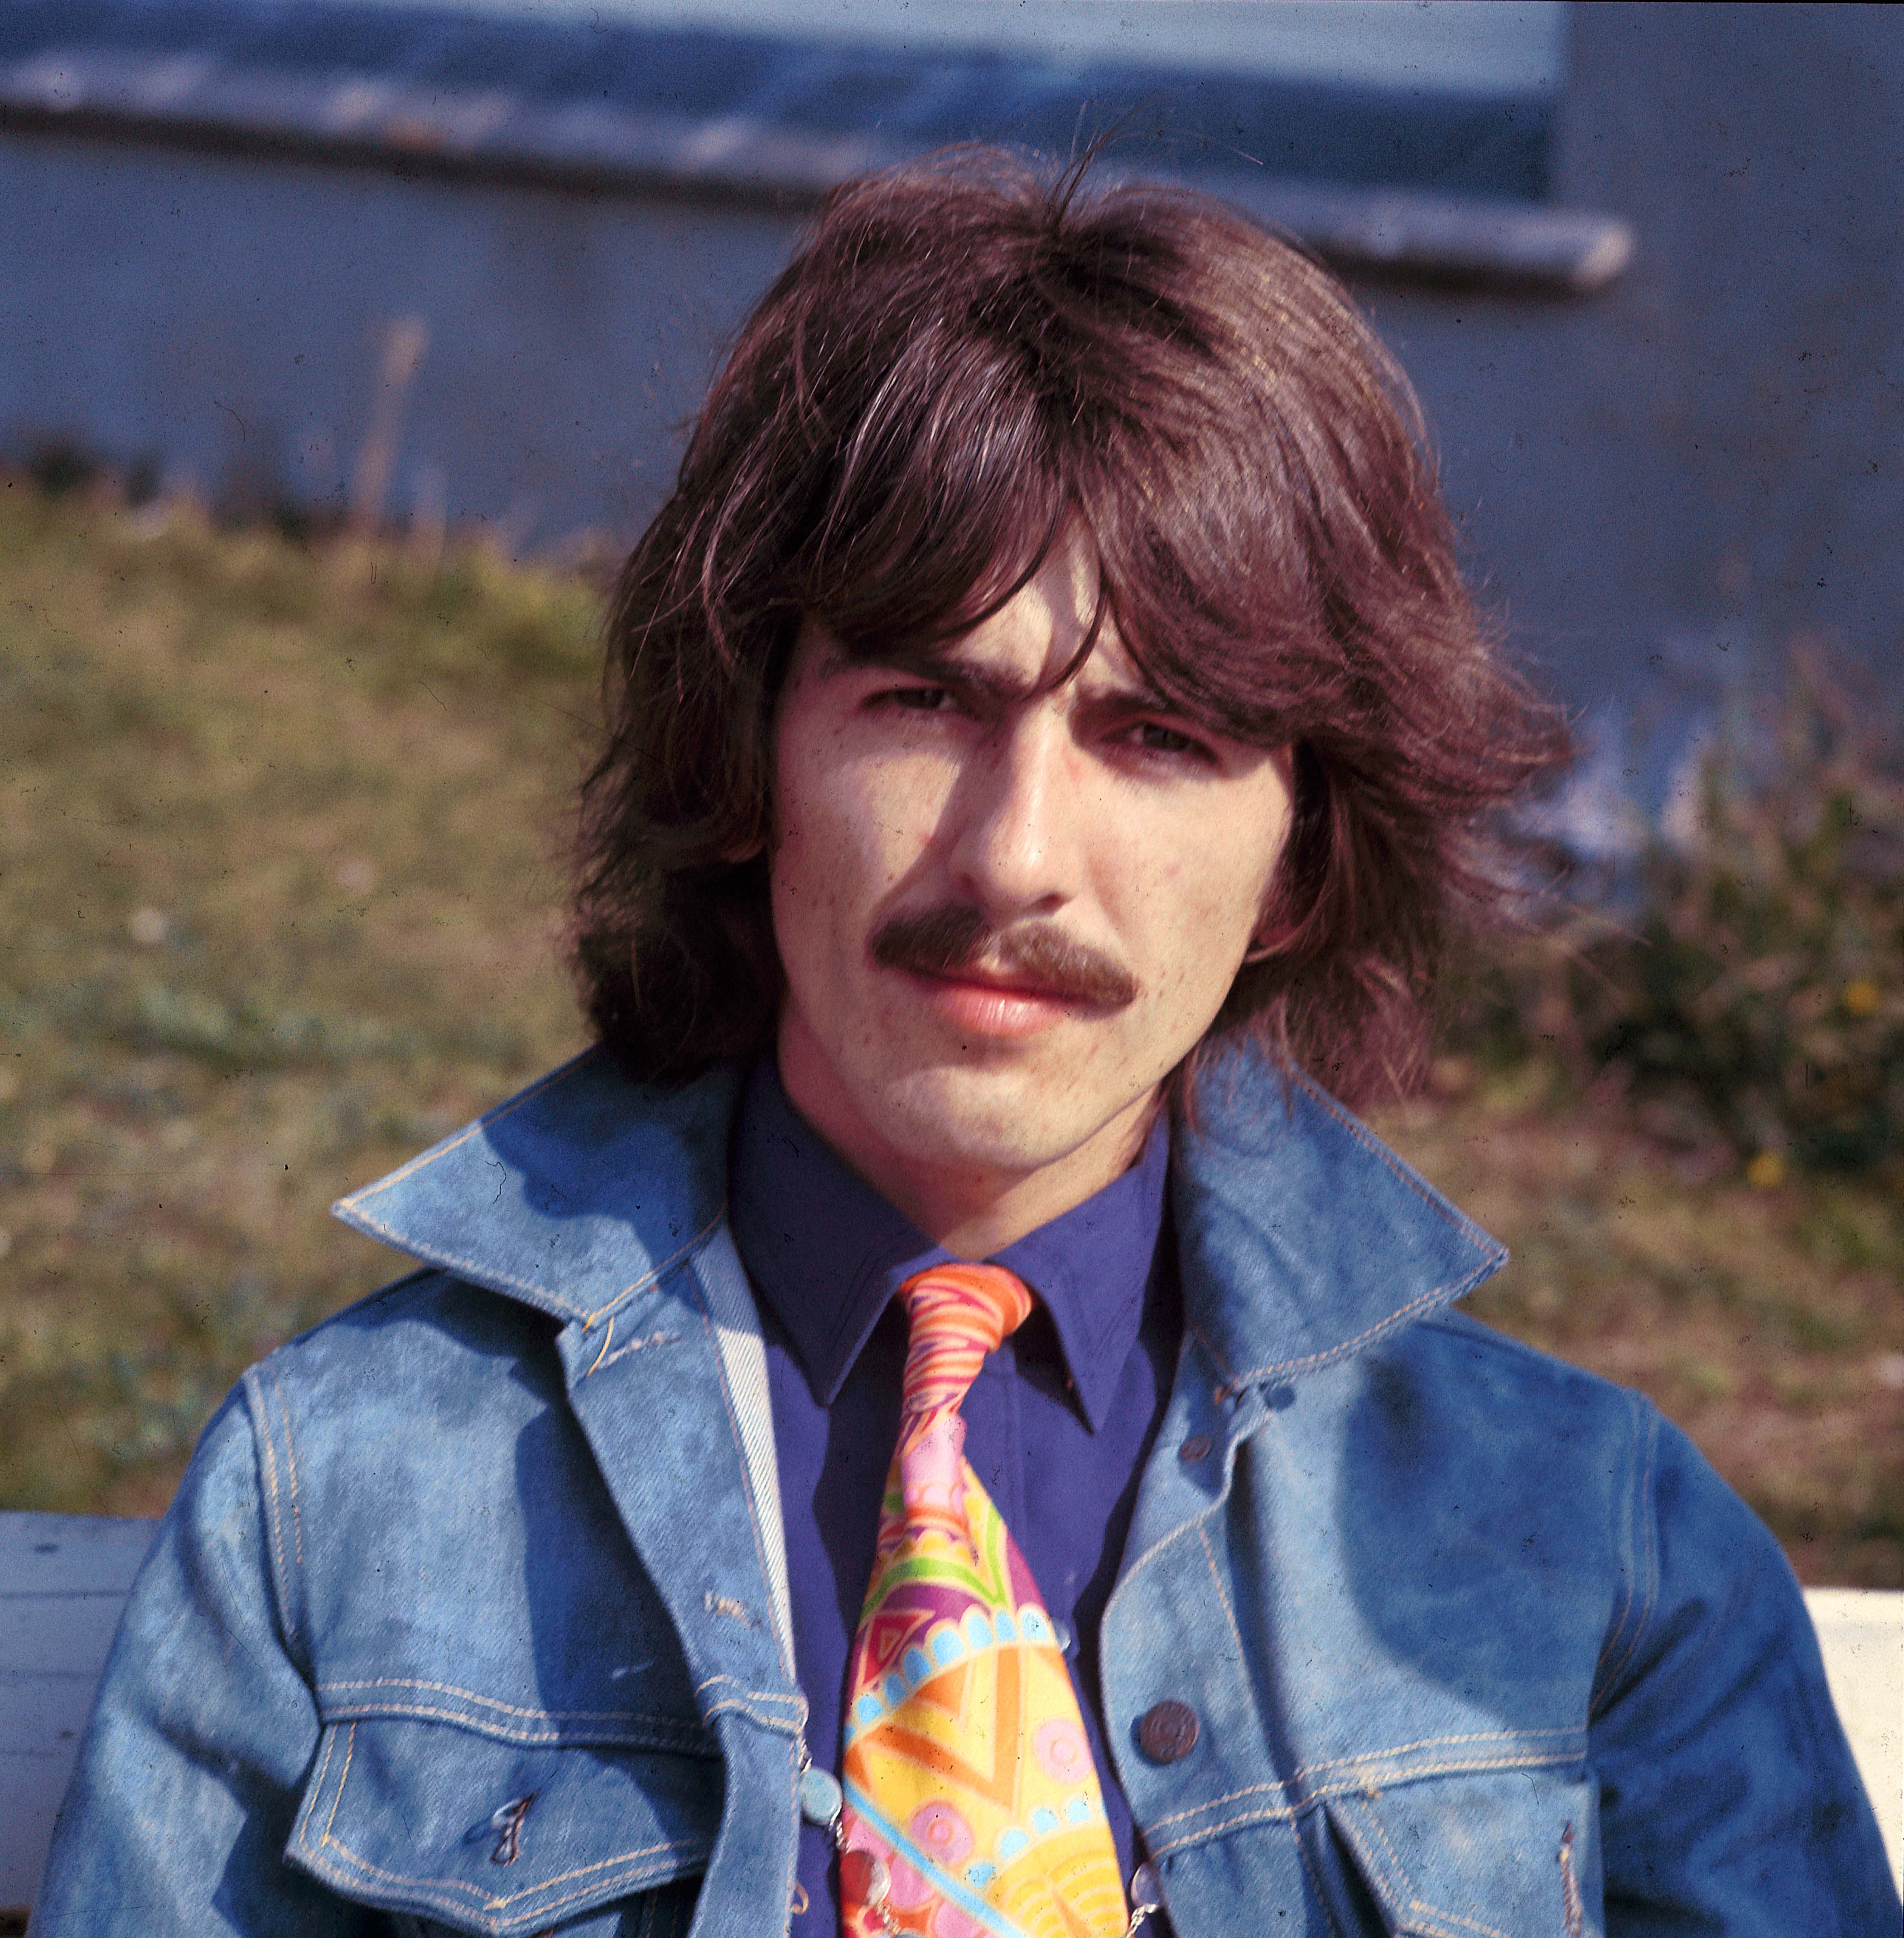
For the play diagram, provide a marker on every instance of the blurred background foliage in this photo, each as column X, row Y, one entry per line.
column 1741, row 979
column 282, row 821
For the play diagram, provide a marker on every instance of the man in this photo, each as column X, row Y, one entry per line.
column 941, row 1422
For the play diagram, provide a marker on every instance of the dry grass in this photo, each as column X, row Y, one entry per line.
column 280, row 835
column 279, row 872
column 1766, row 1321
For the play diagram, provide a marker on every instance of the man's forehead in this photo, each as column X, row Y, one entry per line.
column 1055, row 629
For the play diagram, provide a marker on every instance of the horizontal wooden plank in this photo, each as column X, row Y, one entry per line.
column 67, row 1554
column 63, row 1582
column 56, row 1634
column 1861, row 1633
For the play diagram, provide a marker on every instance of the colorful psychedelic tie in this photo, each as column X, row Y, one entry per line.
column 972, row 1802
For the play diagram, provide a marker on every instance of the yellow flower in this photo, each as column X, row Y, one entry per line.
column 1860, row 998
column 1766, row 1171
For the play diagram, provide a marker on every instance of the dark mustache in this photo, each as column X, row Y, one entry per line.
column 946, row 941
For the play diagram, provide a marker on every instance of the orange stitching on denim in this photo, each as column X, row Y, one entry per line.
column 356, row 1202
column 662, row 1735
column 290, row 1462
column 781, row 1725
column 1222, row 1593
column 1231, row 1796
column 1433, row 1742
column 1166, row 1847
column 316, row 1791
column 1316, row 1885
column 448, row 1260
column 483, row 1274
column 1418, row 1906
column 1444, row 1293
column 474, row 1893
column 661, row 1271
column 607, row 1337
column 1428, row 1914
column 1323, row 1793
column 553, row 1716
column 469, row 1695
column 1397, row 1870
column 631, row 1737
column 1543, row 1760
column 1157, row 1547
column 761, row 1695
column 627, row 1857
column 424, row 1158
column 1644, row 1494
column 1377, row 1876
column 1616, row 1630
column 1464, row 1227
column 270, row 1462
column 343, row 1778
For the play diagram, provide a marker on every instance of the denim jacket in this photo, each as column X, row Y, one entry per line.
column 470, row 1615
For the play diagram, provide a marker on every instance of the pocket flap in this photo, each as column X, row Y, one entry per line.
column 1507, row 1855
column 492, row 1837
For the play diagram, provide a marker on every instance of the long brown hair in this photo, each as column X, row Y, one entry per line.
column 965, row 356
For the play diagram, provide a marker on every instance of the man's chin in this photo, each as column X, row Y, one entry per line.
column 994, row 1116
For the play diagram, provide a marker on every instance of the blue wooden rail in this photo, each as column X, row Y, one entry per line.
column 63, row 1579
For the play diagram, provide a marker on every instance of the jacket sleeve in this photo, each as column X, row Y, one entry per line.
column 1729, row 1802
column 191, row 1770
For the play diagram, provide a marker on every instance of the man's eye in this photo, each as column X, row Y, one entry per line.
column 919, row 699
column 1154, row 739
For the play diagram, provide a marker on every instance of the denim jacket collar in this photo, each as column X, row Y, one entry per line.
column 1303, row 1238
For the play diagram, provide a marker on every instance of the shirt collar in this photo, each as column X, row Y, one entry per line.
column 828, row 1253
column 1300, row 1238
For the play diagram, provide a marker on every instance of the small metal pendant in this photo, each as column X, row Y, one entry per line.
column 1146, row 1895
column 821, row 1800
column 864, row 1879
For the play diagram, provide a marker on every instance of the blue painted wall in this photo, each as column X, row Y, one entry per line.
column 1656, row 484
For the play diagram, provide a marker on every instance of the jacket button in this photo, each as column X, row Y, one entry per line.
column 1196, row 1448
column 1167, row 1732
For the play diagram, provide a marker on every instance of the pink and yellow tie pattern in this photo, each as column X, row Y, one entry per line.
column 968, row 1773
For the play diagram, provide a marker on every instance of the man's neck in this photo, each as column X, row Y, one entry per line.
column 973, row 1210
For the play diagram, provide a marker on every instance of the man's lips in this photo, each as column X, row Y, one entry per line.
column 976, row 1007
column 1003, row 984
column 1024, row 970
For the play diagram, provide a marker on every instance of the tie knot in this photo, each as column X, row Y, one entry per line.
column 957, row 1314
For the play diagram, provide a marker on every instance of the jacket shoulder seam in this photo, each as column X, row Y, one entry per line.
column 278, row 1497
column 1641, row 1534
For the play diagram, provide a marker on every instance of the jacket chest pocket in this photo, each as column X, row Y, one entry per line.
column 450, row 1829
column 1500, row 1855
column 666, row 1913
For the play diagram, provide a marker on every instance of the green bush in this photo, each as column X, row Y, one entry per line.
column 1747, row 986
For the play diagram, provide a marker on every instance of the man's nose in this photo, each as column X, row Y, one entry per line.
column 1016, row 816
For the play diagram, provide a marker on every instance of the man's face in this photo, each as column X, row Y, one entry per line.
column 1005, row 915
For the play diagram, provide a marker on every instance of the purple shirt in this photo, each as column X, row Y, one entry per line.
column 1077, row 1391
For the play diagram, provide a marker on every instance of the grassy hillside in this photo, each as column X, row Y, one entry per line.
column 280, row 870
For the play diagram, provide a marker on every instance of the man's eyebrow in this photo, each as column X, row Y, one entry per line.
column 943, row 668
